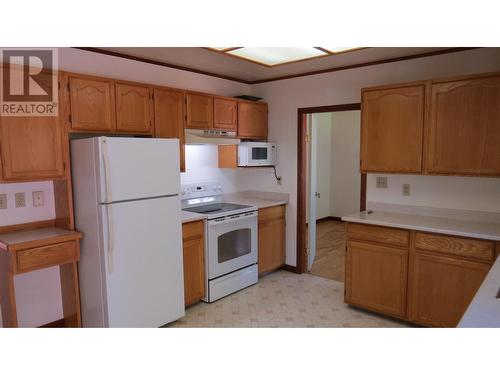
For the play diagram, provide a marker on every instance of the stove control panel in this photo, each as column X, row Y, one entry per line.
column 201, row 189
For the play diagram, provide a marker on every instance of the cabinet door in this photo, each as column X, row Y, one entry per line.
column 271, row 238
column 464, row 127
column 133, row 109
column 169, row 117
column 252, row 120
column 200, row 111
column 194, row 261
column 225, row 114
column 442, row 288
column 376, row 277
column 91, row 105
column 392, row 124
column 31, row 148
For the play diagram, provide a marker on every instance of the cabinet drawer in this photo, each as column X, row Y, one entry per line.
column 271, row 213
column 463, row 247
column 193, row 229
column 46, row 256
column 390, row 236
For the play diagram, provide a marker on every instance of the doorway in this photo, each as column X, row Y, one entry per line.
column 329, row 186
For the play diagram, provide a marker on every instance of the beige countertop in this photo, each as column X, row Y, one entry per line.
column 35, row 237
column 259, row 199
column 445, row 225
column 187, row 216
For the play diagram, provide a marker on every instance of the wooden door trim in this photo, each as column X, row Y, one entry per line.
column 302, row 179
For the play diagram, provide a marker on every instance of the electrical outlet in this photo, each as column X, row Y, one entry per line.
column 382, row 182
column 20, row 200
column 3, row 201
column 38, row 200
column 406, row 189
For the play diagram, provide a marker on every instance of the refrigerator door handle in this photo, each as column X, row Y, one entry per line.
column 111, row 237
column 107, row 166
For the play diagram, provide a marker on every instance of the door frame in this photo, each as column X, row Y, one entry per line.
column 302, row 176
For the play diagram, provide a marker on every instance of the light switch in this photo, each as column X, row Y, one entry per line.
column 3, row 201
column 20, row 200
column 38, row 199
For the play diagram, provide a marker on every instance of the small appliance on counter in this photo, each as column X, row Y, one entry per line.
column 231, row 248
column 256, row 154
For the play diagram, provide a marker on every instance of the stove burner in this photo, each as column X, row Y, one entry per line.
column 215, row 208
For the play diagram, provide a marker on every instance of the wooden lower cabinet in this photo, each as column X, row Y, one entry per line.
column 271, row 238
column 442, row 288
column 193, row 243
column 429, row 281
column 376, row 277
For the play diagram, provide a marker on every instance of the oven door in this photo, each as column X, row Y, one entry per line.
column 232, row 243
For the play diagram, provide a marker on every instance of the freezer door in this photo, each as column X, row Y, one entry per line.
column 143, row 262
column 134, row 168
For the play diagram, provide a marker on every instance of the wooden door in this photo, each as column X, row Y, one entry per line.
column 31, row 148
column 133, row 108
column 376, row 277
column 392, row 126
column 442, row 288
column 92, row 105
column 194, row 261
column 464, row 127
column 200, row 111
column 225, row 114
column 271, row 238
column 252, row 120
column 169, row 114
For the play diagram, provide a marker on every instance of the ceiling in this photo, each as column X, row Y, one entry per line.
column 211, row 62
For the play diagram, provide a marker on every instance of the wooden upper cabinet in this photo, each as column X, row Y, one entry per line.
column 31, row 148
column 225, row 114
column 92, row 104
column 133, row 108
column 200, row 111
column 252, row 120
column 392, row 128
column 464, row 127
column 169, row 117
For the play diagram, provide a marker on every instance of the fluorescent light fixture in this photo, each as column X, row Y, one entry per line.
column 339, row 49
column 276, row 55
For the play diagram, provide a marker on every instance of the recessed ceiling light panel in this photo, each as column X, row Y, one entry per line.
column 339, row 49
column 276, row 55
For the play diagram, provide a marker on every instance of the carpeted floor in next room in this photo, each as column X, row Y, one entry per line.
column 284, row 299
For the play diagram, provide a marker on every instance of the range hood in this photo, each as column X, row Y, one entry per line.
column 213, row 137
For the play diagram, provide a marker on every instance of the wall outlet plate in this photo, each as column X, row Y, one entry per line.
column 38, row 199
column 381, row 182
column 406, row 190
column 3, row 201
column 20, row 200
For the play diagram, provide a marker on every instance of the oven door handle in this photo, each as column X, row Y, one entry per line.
column 228, row 220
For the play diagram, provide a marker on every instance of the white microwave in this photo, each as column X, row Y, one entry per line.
column 255, row 154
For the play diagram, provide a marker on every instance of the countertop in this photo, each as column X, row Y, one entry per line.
column 36, row 237
column 258, row 199
column 484, row 310
column 444, row 225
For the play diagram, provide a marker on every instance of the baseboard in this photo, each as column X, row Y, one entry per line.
column 328, row 218
column 55, row 324
column 289, row 268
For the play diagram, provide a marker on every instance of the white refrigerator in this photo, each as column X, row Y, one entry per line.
column 127, row 206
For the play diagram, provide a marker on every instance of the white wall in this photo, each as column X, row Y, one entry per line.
column 284, row 97
column 38, row 293
column 345, row 179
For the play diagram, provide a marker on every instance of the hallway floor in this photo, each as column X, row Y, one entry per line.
column 284, row 299
column 330, row 250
